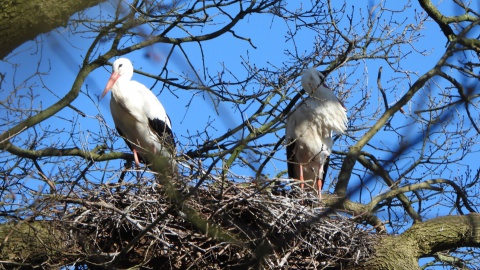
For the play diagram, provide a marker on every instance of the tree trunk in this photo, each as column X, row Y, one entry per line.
column 27, row 244
column 23, row 20
column 425, row 239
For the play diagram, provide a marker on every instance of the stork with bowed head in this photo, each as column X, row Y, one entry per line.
column 309, row 130
column 141, row 120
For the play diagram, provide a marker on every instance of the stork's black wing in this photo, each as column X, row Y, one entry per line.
column 325, row 169
column 290, row 160
column 164, row 133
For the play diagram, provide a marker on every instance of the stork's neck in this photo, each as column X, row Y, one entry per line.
column 122, row 83
column 320, row 92
column 124, row 78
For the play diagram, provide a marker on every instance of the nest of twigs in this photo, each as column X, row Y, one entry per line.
column 224, row 226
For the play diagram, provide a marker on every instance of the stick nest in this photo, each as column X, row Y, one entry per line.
column 233, row 226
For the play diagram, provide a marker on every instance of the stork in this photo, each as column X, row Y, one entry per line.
column 309, row 130
column 141, row 119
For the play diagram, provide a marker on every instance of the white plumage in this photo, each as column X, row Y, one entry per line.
column 140, row 118
column 309, row 130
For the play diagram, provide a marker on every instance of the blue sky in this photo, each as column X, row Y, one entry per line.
column 61, row 52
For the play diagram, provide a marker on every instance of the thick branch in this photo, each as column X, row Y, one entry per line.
column 444, row 22
column 423, row 239
column 361, row 212
column 23, row 20
column 438, row 17
column 97, row 154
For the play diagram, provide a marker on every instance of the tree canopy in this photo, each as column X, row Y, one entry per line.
column 402, row 183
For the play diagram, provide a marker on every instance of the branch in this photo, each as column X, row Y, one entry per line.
column 379, row 170
column 163, row 38
column 22, row 21
column 354, row 151
column 52, row 110
column 438, row 17
column 423, row 185
column 444, row 22
column 361, row 212
column 424, row 239
column 97, row 154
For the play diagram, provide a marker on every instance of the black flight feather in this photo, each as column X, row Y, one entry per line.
column 164, row 133
column 290, row 161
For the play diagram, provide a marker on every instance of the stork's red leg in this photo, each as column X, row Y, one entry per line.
column 137, row 162
column 319, row 188
column 302, row 181
column 319, row 183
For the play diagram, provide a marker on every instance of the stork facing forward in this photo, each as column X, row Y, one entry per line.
column 141, row 119
column 309, row 130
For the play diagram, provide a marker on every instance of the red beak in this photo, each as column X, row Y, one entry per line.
column 113, row 78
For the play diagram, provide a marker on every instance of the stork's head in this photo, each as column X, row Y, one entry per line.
column 122, row 67
column 312, row 80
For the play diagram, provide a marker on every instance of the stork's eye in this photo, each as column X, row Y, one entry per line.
column 120, row 65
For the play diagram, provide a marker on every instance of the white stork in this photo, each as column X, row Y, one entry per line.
column 140, row 119
column 309, row 130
